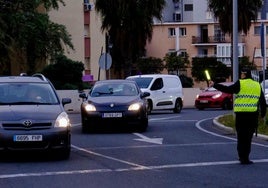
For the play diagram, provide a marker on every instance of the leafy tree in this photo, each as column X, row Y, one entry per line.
column 65, row 73
column 244, row 62
column 149, row 65
column 176, row 62
column 27, row 36
column 129, row 25
column 186, row 82
column 217, row 70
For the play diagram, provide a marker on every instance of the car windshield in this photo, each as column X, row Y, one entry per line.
column 142, row 82
column 114, row 89
column 26, row 93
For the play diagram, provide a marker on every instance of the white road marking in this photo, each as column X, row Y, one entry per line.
column 137, row 167
column 73, row 172
column 147, row 139
column 222, row 136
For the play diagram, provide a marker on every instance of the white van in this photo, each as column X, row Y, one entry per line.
column 165, row 91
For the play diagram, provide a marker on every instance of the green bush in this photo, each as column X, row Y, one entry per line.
column 65, row 73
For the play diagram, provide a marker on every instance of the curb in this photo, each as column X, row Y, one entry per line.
column 216, row 122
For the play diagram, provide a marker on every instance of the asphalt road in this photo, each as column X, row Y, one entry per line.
column 178, row 150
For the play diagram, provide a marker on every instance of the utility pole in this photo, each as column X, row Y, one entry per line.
column 235, row 41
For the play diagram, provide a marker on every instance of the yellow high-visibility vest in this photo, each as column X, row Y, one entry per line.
column 247, row 98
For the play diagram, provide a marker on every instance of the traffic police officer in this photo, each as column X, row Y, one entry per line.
column 248, row 104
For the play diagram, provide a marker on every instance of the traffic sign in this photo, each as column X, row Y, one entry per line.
column 105, row 61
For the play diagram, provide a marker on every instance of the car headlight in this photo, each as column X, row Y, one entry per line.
column 216, row 96
column 134, row 107
column 89, row 107
column 62, row 120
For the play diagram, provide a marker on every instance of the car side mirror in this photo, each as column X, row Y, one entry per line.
column 145, row 94
column 66, row 101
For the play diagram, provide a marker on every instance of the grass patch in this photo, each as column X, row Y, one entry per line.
column 229, row 121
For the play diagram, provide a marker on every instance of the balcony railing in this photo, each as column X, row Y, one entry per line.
column 215, row 39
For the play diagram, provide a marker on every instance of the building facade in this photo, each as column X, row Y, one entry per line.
column 187, row 27
column 84, row 25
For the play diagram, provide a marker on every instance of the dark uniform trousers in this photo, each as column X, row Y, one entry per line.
column 246, row 123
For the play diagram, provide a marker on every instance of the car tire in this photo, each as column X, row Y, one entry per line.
column 143, row 126
column 177, row 107
column 227, row 105
column 149, row 106
column 85, row 128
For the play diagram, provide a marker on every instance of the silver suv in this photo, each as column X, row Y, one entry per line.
column 32, row 116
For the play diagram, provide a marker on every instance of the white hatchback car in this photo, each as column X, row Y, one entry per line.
column 165, row 90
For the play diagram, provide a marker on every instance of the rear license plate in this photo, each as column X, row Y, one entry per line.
column 203, row 101
column 27, row 138
column 112, row 115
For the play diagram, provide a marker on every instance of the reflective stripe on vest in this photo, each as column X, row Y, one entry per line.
column 247, row 98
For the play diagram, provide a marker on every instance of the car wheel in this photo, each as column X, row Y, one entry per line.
column 226, row 104
column 149, row 106
column 85, row 128
column 177, row 107
column 144, row 125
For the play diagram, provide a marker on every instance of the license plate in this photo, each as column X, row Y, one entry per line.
column 112, row 115
column 27, row 138
column 203, row 101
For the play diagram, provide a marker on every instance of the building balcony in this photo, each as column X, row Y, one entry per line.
column 214, row 40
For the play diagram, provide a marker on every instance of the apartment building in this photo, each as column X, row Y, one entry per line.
column 188, row 26
column 84, row 25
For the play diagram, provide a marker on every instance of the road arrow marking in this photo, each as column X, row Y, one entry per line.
column 147, row 139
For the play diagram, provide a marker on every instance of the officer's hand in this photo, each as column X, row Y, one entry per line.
column 210, row 83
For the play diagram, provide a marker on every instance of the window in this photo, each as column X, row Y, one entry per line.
column 188, row 7
column 183, row 53
column 177, row 17
column 257, row 30
column 171, row 32
column 158, row 84
column 182, row 31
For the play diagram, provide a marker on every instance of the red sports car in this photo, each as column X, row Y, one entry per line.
column 213, row 98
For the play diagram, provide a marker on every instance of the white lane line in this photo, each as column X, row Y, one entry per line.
column 222, row 136
column 136, row 166
column 108, row 157
column 74, row 172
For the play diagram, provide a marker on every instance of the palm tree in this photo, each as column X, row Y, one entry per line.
column 129, row 26
column 247, row 12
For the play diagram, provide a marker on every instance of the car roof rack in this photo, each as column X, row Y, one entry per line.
column 39, row 75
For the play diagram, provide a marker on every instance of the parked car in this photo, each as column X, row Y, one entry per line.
column 32, row 116
column 213, row 98
column 111, row 103
column 165, row 91
column 265, row 90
